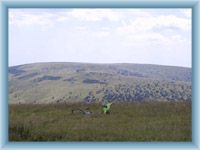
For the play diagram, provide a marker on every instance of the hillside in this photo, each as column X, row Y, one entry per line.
column 78, row 82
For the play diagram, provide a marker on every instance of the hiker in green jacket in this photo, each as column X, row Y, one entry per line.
column 106, row 108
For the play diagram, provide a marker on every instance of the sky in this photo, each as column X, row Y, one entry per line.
column 143, row 36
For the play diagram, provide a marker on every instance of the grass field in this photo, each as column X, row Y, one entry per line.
column 148, row 121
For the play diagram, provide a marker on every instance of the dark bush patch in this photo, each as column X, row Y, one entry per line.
column 28, row 76
column 15, row 71
column 47, row 78
column 93, row 81
column 71, row 80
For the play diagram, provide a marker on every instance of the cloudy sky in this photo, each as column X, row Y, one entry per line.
column 145, row 36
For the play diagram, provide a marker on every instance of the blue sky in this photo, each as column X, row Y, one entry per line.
column 144, row 36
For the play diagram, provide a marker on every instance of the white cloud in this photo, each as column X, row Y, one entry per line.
column 187, row 12
column 129, row 35
column 82, row 28
column 30, row 17
column 21, row 18
column 62, row 18
column 142, row 29
column 95, row 14
column 137, row 19
column 100, row 34
column 143, row 24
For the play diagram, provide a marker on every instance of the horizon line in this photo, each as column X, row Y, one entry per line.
column 97, row 63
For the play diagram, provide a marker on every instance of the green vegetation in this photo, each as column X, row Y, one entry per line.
column 136, row 121
column 150, row 102
column 45, row 83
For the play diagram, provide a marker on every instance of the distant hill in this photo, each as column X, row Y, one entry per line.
column 84, row 82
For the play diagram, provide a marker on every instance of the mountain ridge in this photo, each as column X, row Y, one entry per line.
column 65, row 82
column 99, row 64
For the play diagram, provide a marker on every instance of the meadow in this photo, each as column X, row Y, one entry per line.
column 134, row 121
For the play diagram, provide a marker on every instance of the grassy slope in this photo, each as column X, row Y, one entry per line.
column 24, row 86
column 149, row 121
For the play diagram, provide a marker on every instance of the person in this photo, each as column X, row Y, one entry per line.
column 106, row 108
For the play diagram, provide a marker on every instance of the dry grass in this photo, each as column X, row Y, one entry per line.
column 148, row 121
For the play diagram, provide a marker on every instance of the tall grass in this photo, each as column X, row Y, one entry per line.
column 148, row 121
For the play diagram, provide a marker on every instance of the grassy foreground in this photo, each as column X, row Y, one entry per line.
column 148, row 121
